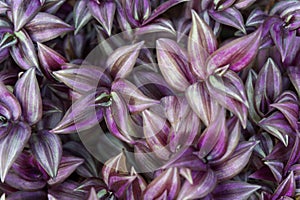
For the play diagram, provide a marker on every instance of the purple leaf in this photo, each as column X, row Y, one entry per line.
column 173, row 64
column 10, row 102
column 81, row 15
column 294, row 75
column 186, row 134
column 215, row 132
column 202, row 103
column 44, row 27
column 83, row 78
column 256, row 18
column 158, row 25
column 287, row 104
column 238, row 53
column 47, row 150
column 276, row 168
column 165, row 186
column 23, row 11
column 229, row 91
column 162, row 8
column 23, row 52
column 135, row 99
column 141, row 9
column 83, row 114
column 201, row 43
column 22, row 184
column 234, row 132
column 52, row 6
column 234, row 190
column 176, row 109
column 235, row 163
column 156, row 130
column 24, row 195
column 249, row 86
column 119, row 121
column 28, row 93
column 268, row 86
column 241, row 4
column 66, row 167
column 123, row 59
column 11, row 146
column 286, row 188
column 50, row 60
column 203, row 184
column 115, row 164
column 278, row 126
column 283, row 39
column 152, row 84
column 230, row 17
column 104, row 13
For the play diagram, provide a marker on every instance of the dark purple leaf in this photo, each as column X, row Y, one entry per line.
column 23, row 11
column 28, row 93
column 24, row 51
column 238, row 53
column 104, row 13
column 201, row 43
column 234, row 190
column 44, row 27
column 11, row 146
column 47, row 150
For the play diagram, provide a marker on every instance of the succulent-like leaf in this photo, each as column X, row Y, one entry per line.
column 50, row 60
column 166, row 185
column 238, row 53
column 66, row 167
column 23, row 11
column 201, row 43
column 230, row 17
column 20, row 183
column 44, row 27
column 173, row 64
column 10, row 102
column 135, row 99
column 213, row 133
column 47, row 150
column 294, row 75
column 89, row 166
column 203, row 184
column 23, row 52
column 141, row 9
column 234, row 190
column 241, row 4
column 249, row 86
column 11, row 146
column 156, row 130
column 104, row 13
column 268, row 86
column 283, row 39
column 81, row 15
column 276, row 168
column 287, row 104
column 122, row 60
column 234, row 131
column 229, row 91
column 83, row 78
column 256, row 17
column 278, row 126
column 236, row 162
column 202, row 103
column 286, row 188
column 162, row 8
column 28, row 93
column 83, row 114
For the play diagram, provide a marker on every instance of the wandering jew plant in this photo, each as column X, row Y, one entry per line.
column 142, row 100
